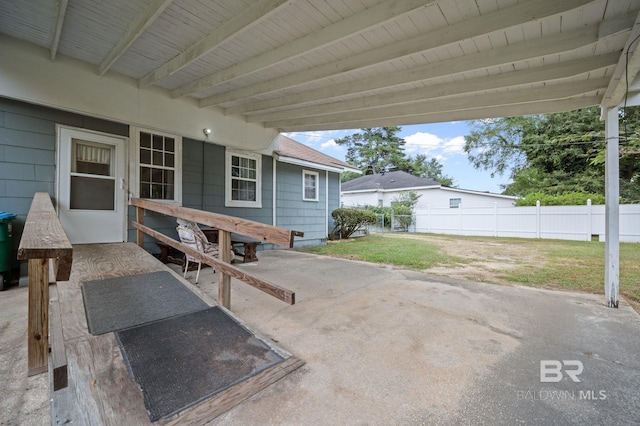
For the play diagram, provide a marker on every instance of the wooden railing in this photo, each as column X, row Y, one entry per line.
column 48, row 250
column 225, row 225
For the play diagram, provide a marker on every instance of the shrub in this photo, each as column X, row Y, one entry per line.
column 385, row 211
column 566, row 199
column 349, row 221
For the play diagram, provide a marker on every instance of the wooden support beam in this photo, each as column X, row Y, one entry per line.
column 347, row 27
column 136, row 29
column 38, row 322
column 242, row 22
column 140, row 220
column 467, row 87
column 224, row 280
column 259, row 231
column 481, row 100
column 274, row 290
column 513, row 53
column 58, row 359
column 541, row 107
column 455, row 33
column 55, row 41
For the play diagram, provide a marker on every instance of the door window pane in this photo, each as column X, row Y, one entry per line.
column 89, row 193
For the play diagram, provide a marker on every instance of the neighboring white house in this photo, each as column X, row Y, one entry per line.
column 383, row 189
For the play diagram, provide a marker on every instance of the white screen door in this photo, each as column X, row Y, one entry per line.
column 91, row 186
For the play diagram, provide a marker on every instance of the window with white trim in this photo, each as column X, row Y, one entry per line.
column 454, row 203
column 243, row 179
column 158, row 172
column 309, row 185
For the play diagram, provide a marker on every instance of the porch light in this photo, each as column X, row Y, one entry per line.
column 206, row 132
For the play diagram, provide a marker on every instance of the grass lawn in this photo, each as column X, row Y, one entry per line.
column 553, row 264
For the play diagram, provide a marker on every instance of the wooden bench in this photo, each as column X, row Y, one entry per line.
column 249, row 249
column 168, row 254
column 249, row 246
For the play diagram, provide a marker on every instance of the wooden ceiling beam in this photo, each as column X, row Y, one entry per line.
column 347, row 27
column 518, row 52
column 479, row 100
column 243, row 21
column 545, row 73
column 57, row 32
column 484, row 24
column 543, row 107
column 137, row 27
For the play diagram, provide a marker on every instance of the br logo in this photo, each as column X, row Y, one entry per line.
column 551, row 370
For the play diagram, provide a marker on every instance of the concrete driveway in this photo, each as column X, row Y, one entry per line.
column 385, row 346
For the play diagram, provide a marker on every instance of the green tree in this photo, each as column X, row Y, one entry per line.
column 374, row 149
column 380, row 149
column 424, row 167
column 553, row 153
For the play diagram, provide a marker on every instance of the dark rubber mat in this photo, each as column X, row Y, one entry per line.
column 117, row 303
column 181, row 361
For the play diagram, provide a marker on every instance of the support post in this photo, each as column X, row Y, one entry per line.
column 224, row 280
column 538, row 219
column 38, row 323
column 612, row 209
column 140, row 220
column 589, row 216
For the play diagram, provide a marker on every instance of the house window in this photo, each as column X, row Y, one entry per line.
column 158, row 160
column 454, row 203
column 309, row 185
column 243, row 179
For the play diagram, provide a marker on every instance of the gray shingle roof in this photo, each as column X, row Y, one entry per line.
column 391, row 180
column 294, row 149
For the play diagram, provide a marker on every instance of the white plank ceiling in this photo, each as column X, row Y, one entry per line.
column 330, row 64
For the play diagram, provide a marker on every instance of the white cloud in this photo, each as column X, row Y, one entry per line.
column 433, row 145
column 331, row 144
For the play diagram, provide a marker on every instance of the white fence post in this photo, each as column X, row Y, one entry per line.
column 538, row 219
column 495, row 214
column 429, row 218
column 460, row 219
column 589, row 219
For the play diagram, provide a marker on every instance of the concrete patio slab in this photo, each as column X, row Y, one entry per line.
column 387, row 346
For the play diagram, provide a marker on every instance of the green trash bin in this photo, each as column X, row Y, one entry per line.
column 5, row 248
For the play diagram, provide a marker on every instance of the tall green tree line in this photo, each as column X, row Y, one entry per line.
column 556, row 154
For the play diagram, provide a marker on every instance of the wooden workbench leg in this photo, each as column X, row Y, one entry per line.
column 38, row 326
column 224, row 280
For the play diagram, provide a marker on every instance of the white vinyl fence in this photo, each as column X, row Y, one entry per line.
column 582, row 223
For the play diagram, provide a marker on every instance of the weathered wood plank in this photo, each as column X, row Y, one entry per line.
column 44, row 238
column 38, row 322
column 274, row 290
column 224, row 280
column 140, row 220
column 260, row 231
column 58, row 358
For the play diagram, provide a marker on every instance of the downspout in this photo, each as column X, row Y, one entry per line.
column 274, row 218
column 202, row 185
column 326, row 203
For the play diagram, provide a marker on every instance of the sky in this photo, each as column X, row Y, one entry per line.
column 444, row 141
